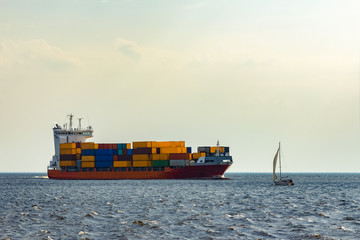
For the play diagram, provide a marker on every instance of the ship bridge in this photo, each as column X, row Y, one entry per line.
column 68, row 134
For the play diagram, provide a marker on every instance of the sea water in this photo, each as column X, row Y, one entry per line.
column 244, row 206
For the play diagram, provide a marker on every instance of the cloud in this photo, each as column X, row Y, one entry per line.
column 34, row 53
column 128, row 48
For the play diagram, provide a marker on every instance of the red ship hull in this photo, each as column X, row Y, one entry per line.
column 205, row 171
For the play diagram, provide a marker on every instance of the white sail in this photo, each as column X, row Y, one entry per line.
column 274, row 163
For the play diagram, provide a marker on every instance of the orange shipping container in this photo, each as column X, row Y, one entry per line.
column 160, row 144
column 122, row 163
column 142, row 144
column 173, row 150
column 67, row 163
column 213, row 149
column 87, row 164
column 142, row 163
column 128, row 146
column 67, row 145
column 88, row 158
column 168, row 144
column 67, row 151
column 141, row 157
column 180, row 144
column 196, row 156
column 161, row 156
column 88, row 145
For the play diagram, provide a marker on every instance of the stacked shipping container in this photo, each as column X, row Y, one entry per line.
column 69, row 153
column 143, row 154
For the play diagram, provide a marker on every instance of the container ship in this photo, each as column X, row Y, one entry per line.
column 77, row 158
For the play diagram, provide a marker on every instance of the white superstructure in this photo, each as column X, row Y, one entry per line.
column 68, row 135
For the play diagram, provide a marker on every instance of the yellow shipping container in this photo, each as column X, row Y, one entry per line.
column 222, row 149
column 67, row 145
column 142, row 163
column 141, row 157
column 122, row 163
column 173, row 150
column 78, row 150
column 88, row 158
column 147, row 144
column 161, row 156
column 196, row 156
column 67, row 163
column 67, row 151
column 128, row 146
column 87, row 145
column 87, row 164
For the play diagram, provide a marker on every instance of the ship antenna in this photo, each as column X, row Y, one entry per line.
column 80, row 123
column 71, row 117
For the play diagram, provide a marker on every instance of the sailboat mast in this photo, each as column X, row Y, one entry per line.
column 280, row 159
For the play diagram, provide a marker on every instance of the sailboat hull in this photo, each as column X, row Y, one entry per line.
column 284, row 182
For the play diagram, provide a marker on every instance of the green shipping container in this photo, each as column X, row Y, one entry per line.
column 160, row 163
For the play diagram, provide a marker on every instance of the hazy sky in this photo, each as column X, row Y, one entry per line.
column 249, row 73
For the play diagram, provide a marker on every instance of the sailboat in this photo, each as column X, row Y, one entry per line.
column 283, row 181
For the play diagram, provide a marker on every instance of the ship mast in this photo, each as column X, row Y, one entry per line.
column 80, row 123
column 217, row 148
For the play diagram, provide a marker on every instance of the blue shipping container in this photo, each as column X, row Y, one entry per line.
column 188, row 149
column 129, row 152
column 99, row 152
column 104, row 164
column 122, row 146
column 88, row 152
column 103, row 158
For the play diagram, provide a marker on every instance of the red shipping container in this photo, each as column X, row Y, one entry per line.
column 78, row 145
column 107, row 146
column 142, row 151
column 124, row 151
column 124, row 157
column 67, row 157
column 115, row 157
